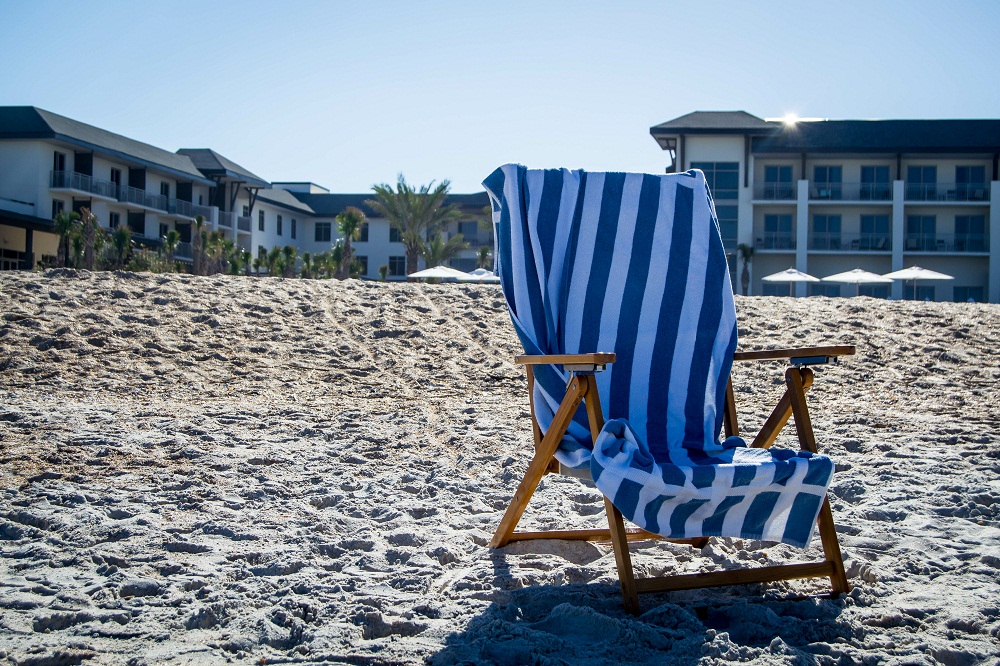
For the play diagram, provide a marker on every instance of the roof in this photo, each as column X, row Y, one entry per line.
column 883, row 136
column 331, row 205
column 715, row 122
column 212, row 164
column 284, row 198
column 28, row 122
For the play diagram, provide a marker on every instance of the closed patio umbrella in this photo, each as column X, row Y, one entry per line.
column 791, row 276
column 917, row 273
column 439, row 272
column 858, row 277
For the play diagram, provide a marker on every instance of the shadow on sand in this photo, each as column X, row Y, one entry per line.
column 580, row 623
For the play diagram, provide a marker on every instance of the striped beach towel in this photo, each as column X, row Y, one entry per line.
column 634, row 264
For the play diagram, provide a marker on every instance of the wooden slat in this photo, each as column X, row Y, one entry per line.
column 736, row 577
column 601, row 358
column 597, row 534
column 778, row 354
column 729, row 418
column 778, row 418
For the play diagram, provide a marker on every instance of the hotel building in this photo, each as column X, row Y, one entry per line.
column 828, row 196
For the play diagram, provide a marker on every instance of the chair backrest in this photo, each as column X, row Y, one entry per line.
column 629, row 263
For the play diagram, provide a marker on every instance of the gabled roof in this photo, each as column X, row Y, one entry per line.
column 883, row 136
column 331, row 205
column 28, row 122
column 284, row 198
column 715, row 122
column 212, row 164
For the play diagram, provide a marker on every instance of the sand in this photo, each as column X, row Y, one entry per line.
column 260, row 470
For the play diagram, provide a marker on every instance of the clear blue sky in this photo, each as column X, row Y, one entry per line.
column 350, row 94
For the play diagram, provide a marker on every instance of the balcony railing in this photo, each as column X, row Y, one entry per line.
column 226, row 218
column 183, row 251
column 180, row 207
column 776, row 240
column 838, row 242
column 243, row 223
column 79, row 181
column 947, row 192
column 205, row 211
column 850, row 191
column 139, row 197
column 775, row 191
column 947, row 243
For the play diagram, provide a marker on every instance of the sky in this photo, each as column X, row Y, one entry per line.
column 351, row 94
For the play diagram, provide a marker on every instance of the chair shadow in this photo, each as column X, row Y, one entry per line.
column 585, row 623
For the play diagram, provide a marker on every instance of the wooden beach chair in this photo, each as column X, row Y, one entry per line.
column 571, row 280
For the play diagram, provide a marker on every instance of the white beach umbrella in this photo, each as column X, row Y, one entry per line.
column 480, row 275
column 439, row 272
column 858, row 277
column 917, row 273
column 791, row 276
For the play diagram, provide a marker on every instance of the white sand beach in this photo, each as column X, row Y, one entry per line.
column 198, row 470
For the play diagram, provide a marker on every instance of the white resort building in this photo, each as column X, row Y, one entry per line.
column 820, row 196
column 50, row 164
column 828, row 196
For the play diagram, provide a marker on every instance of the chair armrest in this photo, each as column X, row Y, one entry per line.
column 800, row 356
column 589, row 362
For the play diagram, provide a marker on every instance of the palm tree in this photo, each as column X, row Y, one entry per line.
column 272, row 260
column 746, row 255
column 335, row 259
column 65, row 226
column 196, row 243
column 437, row 250
column 246, row 258
column 307, row 265
column 485, row 258
column 77, row 244
column 415, row 213
column 89, row 235
column 290, row 254
column 349, row 222
column 121, row 238
column 256, row 266
column 383, row 270
column 170, row 243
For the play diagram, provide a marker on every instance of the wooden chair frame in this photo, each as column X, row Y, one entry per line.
column 583, row 388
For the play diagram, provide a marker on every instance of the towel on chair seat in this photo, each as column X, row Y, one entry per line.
column 634, row 264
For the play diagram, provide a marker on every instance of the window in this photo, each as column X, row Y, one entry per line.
column 57, row 207
column 827, row 182
column 58, row 161
column 201, row 199
column 727, row 224
column 323, row 232
column 920, row 292
column 970, row 183
column 921, row 183
column 723, row 178
column 921, row 233
column 775, row 289
column 116, row 178
column 874, row 290
column 164, row 230
column 778, row 182
column 970, row 233
column 114, row 219
column 968, row 294
column 826, row 232
column 363, row 260
column 294, row 225
column 137, row 222
column 165, row 190
column 261, row 252
column 875, row 183
column 777, row 233
column 469, row 230
column 260, row 220
column 828, row 290
column 363, row 233
column 397, row 265
column 246, row 211
column 393, row 235
column 279, row 225
column 874, row 233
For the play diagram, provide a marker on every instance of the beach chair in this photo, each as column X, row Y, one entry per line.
column 618, row 288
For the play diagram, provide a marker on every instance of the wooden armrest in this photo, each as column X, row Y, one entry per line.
column 792, row 354
column 600, row 358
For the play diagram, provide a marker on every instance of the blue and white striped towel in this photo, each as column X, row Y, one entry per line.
column 634, row 264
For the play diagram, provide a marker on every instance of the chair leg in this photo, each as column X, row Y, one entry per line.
column 623, row 559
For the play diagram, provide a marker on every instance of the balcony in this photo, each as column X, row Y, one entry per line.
column 207, row 212
column 977, row 192
column 837, row 242
column 776, row 240
column 70, row 180
column 850, row 191
column 226, row 219
column 180, row 207
column 183, row 251
column 947, row 243
column 774, row 191
column 134, row 195
column 243, row 223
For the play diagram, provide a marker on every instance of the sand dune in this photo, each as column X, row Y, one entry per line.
column 197, row 470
